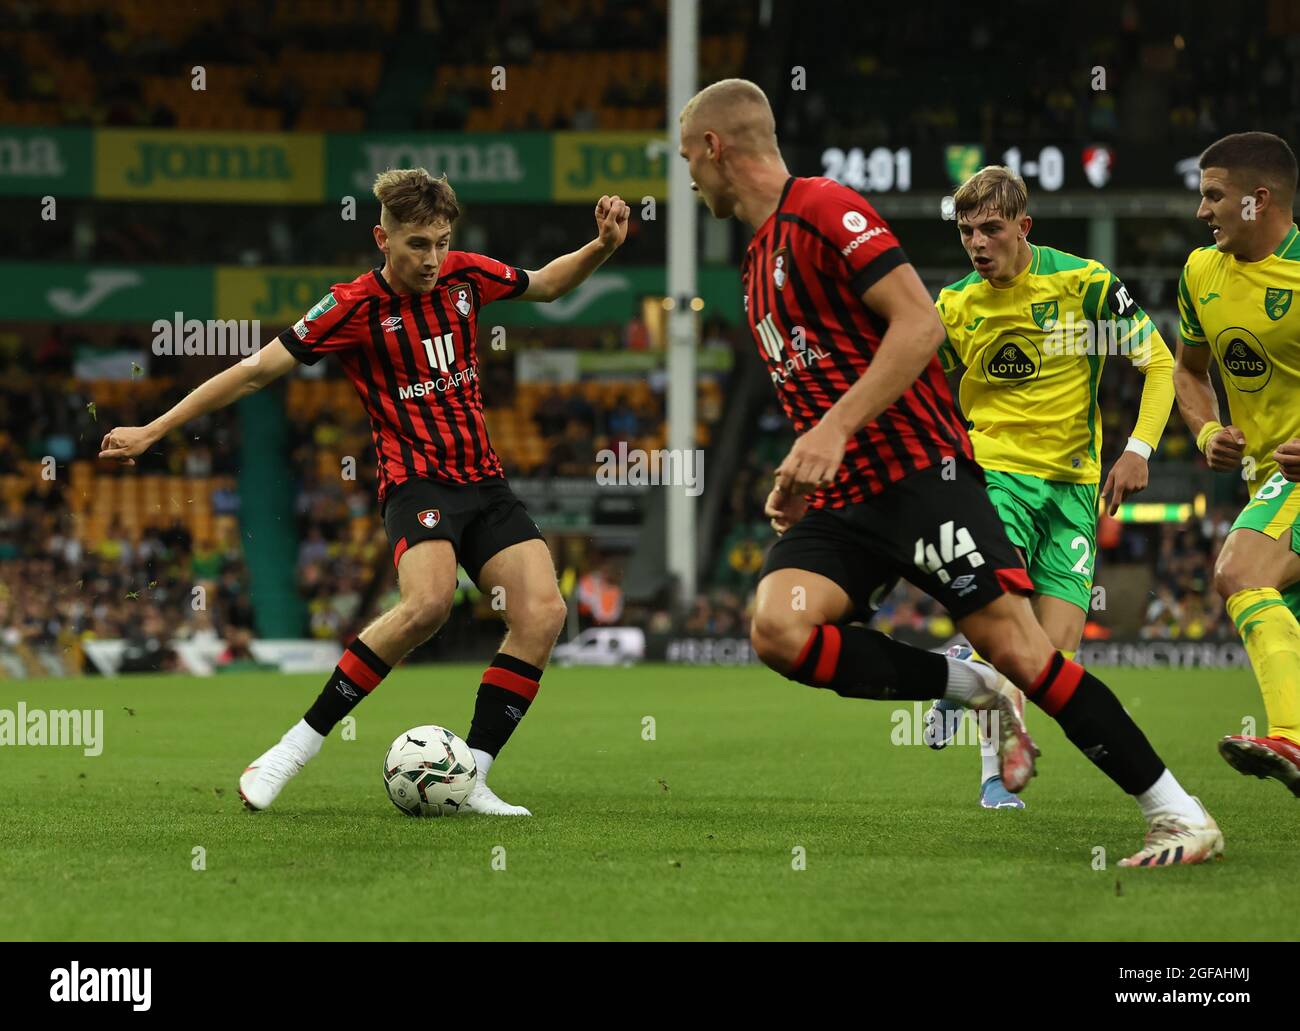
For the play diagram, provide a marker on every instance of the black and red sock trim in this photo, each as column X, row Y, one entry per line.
column 858, row 662
column 358, row 672
column 1096, row 724
column 1053, row 688
column 513, row 675
column 820, row 656
column 508, row 688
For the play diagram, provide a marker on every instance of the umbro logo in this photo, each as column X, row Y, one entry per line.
column 964, row 584
column 347, row 690
column 514, row 713
column 391, row 324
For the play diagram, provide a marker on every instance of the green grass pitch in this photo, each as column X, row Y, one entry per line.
column 694, row 834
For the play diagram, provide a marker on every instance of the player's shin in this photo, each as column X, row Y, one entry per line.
column 1271, row 636
column 508, row 689
column 1096, row 724
column 358, row 673
column 857, row 662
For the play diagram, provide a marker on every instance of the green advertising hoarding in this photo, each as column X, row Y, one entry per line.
column 77, row 292
column 613, row 295
column 314, row 168
column 501, row 167
column 45, row 162
column 279, row 295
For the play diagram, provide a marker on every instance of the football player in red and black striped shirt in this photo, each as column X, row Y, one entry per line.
column 881, row 482
column 405, row 334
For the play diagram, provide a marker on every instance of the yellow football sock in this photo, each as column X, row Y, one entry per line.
column 1272, row 639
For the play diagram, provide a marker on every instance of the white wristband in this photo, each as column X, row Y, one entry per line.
column 1140, row 448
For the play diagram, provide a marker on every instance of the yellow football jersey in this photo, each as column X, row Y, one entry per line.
column 1243, row 311
column 1034, row 351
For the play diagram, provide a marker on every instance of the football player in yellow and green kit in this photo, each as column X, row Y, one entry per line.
column 1235, row 307
column 1032, row 327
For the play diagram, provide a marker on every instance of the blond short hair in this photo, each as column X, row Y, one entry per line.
column 995, row 189
column 736, row 109
column 413, row 196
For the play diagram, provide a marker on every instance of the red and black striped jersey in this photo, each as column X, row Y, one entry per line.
column 804, row 274
column 413, row 361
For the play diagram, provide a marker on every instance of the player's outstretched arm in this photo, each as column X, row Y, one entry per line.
column 568, row 271
column 1223, row 445
column 123, row 443
column 913, row 336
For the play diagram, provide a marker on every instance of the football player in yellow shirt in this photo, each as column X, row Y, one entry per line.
column 1235, row 307
column 1032, row 327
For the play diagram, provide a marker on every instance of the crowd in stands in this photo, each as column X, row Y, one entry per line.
column 66, row 581
column 57, row 587
column 298, row 65
column 351, row 65
column 1171, row 72
column 1184, row 605
column 61, row 586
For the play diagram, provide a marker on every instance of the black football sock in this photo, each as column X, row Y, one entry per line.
column 508, row 688
column 357, row 674
column 1096, row 724
column 858, row 662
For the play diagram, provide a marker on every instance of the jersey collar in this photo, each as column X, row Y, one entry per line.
column 771, row 219
column 1287, row 241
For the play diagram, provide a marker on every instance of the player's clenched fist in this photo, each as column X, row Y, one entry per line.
column 1224, row 450
column 612, row 214
column 1287, row 457
column 123, row 443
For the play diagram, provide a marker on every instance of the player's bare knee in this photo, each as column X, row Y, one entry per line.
column 1231, row 577
column 424, row 615
column 767, row 648
column 542, row 616
column 777, row 642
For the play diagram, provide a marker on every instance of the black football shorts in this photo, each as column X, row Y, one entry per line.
column 941, row 534
column 479, row 519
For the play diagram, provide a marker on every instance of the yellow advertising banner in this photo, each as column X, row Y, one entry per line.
column 161, row 164
column 277, row 295
column 631, row 164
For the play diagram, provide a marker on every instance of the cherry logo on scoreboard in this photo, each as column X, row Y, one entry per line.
column 1098, row 163
column 461, row 298
column 429, row 518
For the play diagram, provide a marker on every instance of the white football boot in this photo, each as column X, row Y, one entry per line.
column 1177, row 841
column 482, row 799
column 263, row 779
